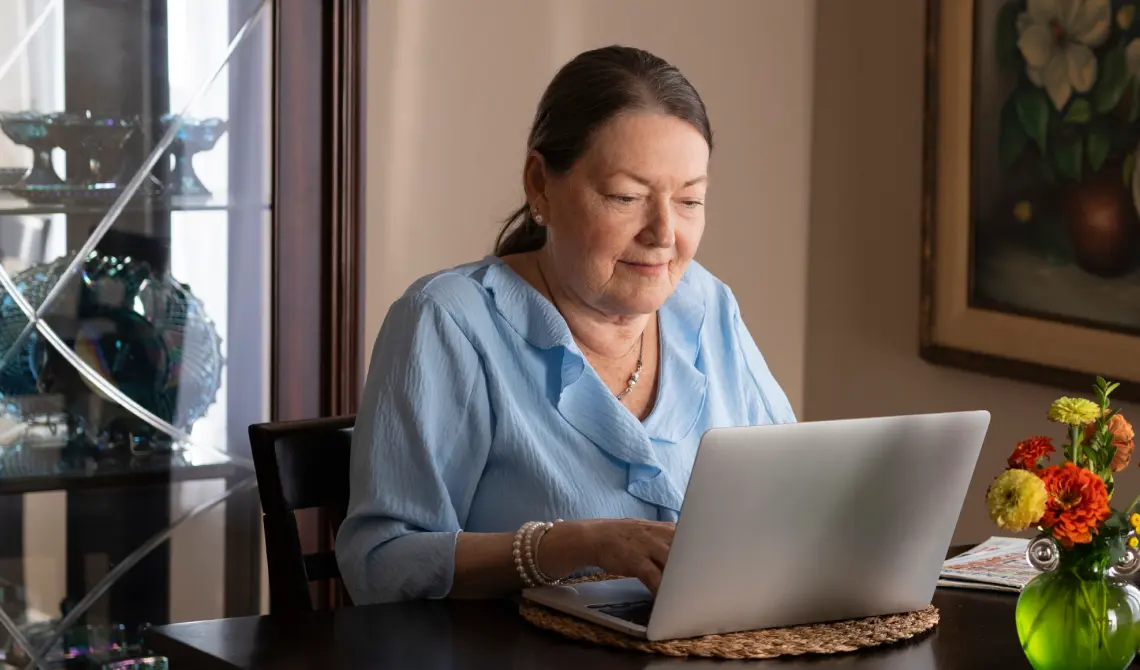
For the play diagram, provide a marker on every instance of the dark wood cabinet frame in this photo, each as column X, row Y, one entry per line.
column 318, row 147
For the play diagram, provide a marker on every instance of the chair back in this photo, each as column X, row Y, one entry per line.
column 300, row 465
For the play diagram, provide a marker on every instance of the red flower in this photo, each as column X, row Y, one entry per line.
column 1029, row 452
column 1078, row 503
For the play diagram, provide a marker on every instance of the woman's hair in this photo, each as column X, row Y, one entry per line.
column 586, row 93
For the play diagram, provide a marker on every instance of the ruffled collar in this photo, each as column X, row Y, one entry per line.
column 585, row 401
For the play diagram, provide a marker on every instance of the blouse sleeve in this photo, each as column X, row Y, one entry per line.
column 419, row 446
column 771, row 404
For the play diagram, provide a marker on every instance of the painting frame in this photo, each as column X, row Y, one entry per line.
column 953, row 332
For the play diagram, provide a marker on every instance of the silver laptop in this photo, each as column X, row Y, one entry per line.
column 800, row 523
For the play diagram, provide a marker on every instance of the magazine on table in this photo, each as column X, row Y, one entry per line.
column 998, row 564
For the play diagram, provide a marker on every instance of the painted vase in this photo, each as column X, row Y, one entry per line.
column 1102, row 222
column 1080, row 612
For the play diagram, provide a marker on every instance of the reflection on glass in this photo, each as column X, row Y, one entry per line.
column 148, row 363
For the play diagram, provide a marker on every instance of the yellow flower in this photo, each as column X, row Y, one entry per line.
column 1023, row 211
column 1134, row 541
column 1016, row 500
column 1074, row 411
column 1134, row 520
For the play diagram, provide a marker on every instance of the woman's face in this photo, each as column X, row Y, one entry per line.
column 624, row 222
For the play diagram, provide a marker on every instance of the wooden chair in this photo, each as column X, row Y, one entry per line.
column 300, row 465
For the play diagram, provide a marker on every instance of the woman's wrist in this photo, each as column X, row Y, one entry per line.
column 564, row 549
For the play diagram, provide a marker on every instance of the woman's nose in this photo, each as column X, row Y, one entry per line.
column 659, row 230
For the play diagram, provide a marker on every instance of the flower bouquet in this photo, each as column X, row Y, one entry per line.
column 1080, row 611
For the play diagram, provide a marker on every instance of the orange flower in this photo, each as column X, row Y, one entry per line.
column 1028, row 452
column 1078, row 502
column 1122, row 439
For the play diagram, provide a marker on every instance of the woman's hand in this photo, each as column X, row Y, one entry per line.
column 627, row 547
column 485, row 567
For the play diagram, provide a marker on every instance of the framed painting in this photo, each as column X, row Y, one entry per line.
column 1031, row 231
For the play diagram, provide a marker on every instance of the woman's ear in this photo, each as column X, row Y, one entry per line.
column 535, row 183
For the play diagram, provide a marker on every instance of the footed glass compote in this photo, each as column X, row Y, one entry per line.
column 195, row 136
column 38, row 132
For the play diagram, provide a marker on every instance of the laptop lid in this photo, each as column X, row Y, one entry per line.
column 816, row 521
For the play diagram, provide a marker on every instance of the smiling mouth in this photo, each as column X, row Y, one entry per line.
column 646, row 269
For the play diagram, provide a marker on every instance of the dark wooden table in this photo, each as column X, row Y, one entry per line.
column 976, row 632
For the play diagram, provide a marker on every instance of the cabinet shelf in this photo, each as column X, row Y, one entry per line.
column 46, row 468
column 10, row 205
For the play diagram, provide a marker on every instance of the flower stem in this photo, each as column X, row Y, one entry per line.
column 1075, row 440
column 1098, row 620
column 1041, row 612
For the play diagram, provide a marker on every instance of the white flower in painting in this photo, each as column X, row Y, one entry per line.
column 1057, row 37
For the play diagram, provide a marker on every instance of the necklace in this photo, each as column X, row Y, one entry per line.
column 632, row 381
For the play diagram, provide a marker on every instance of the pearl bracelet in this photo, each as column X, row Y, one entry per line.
column 516, row 550
column 538, row 575
column 525, row 551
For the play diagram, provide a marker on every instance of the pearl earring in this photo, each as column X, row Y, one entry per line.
column 537, row 217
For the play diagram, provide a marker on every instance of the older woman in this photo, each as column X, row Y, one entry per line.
column 569, row 376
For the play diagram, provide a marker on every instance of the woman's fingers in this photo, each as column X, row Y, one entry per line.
column 658, row 552
column 638, row 548
column 650, row 575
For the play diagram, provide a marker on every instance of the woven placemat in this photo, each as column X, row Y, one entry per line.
column 824, row 638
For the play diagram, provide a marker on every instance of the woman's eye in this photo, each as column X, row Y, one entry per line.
column 624, row 199
column 692, row 204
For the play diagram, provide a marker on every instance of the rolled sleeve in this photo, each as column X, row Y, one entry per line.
column 419, row 446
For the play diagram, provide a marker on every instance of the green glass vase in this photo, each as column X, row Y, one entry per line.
column 1079, row 614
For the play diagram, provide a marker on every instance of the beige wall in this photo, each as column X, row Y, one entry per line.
column 830, row 293
column 863, row 275
column 452, row 86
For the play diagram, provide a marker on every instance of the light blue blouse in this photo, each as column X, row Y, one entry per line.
column 480, row 413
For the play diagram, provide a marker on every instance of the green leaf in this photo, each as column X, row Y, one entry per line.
column 1098, row 143
column 1033, row 107
column 1080, row 111
column 1116, row 551
column 1112, row 78
column 1005, row 37
column 1011, row 135
column 1067, row 159
column 1129, row 168
column 1134, row 108
column 1048, row 174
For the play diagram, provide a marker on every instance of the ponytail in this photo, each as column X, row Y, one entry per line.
column 520, row 234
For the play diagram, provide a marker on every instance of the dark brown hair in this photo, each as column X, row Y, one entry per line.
column 585, row 94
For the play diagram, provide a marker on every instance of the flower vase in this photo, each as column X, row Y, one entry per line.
column 1102, row 222
column 1080, row 612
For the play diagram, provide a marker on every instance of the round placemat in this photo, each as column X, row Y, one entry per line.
column 823, row 638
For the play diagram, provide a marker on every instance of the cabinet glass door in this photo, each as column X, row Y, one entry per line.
column 135, row 237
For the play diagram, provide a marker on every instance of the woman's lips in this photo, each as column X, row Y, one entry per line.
column 646, row 269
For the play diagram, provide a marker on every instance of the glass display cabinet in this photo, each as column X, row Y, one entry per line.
column 179, row 230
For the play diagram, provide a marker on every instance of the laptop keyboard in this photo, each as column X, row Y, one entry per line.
column 636, row 612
